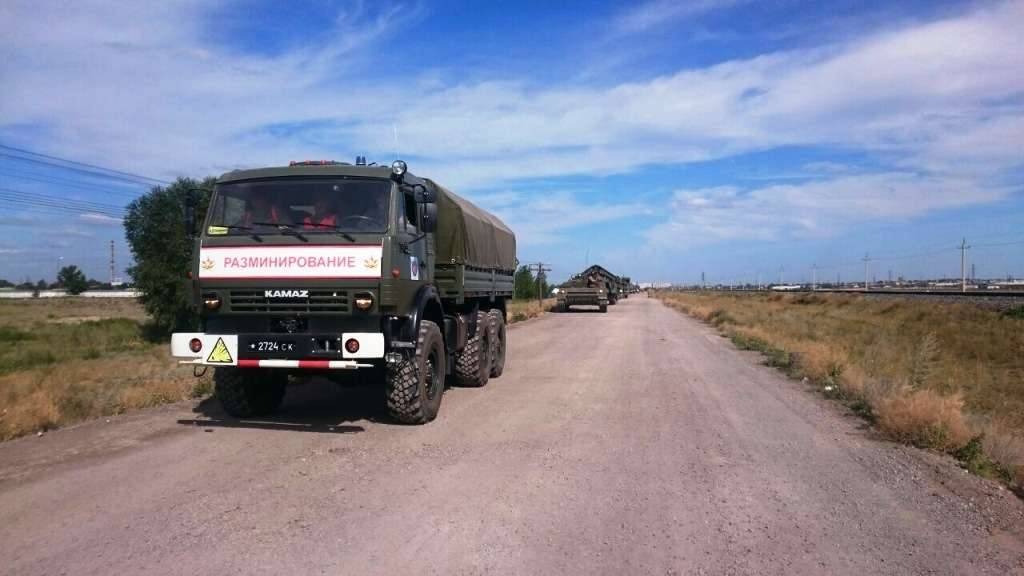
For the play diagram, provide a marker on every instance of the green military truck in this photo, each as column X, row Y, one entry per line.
column 626, row 286
column 327, row 267
column 583, row 290
column 611, row 282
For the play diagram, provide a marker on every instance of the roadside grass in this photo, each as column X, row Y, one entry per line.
column 943, row 376
column 71, row 359
column 519, row 310
column 65, row 360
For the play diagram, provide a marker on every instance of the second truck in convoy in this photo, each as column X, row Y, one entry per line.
column 330, row 267
column 595, row 286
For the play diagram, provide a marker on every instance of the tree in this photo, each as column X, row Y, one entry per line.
column 524, row 287
column 154, row 225
column 72, row 279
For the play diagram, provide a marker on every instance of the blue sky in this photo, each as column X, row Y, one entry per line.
column 661, row 139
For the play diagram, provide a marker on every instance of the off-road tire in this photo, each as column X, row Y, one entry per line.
column 604, row 308
column 473, row 363
column 413, row 387
column 499, row 342
column 246, row 393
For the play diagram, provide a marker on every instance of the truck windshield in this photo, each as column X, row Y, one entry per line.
column 314, row 206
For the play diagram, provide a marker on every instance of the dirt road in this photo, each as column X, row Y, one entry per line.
column 632, row 442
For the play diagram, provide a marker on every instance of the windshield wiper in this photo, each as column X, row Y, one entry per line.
column 344, row 234
column 286, row 229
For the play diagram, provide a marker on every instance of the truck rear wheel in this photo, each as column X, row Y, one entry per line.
column 498, row 342
column 245, row 393
column 415, row 385
column 473, row 363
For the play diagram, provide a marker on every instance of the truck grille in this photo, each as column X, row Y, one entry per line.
column 318, row 301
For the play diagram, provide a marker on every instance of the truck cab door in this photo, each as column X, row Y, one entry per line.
column 415, row 253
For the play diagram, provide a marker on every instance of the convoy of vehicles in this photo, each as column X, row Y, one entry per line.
column 595, row 286
column 330, row 267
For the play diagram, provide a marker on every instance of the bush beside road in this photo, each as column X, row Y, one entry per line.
column 940, row 376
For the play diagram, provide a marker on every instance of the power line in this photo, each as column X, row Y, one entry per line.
column 37, row 196
column 46, row 179
column 90, row 167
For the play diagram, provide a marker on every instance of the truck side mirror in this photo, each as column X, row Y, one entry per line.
column 428, row 214
column 191, row 201
column 424, row 195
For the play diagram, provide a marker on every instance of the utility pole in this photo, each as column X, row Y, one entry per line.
column 867, row 260
column 963, row 265
column 703, row 283
column 814, row 277
column 782, row 269
column 757, row 276
column 541, row 269
column 111, row 263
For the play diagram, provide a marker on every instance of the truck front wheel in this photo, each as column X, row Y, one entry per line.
column 415, row 385
column 473, row 363
column 245, row 393
column 498, row 335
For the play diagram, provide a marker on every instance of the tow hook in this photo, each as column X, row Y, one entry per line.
column 393, row 357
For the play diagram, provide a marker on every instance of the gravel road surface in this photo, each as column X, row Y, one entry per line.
column 632, row 442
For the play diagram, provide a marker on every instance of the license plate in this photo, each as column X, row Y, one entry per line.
column 271, row 346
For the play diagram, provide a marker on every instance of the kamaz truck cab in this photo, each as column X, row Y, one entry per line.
column 323, row 267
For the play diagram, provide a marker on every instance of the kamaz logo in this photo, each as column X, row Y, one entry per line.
column 286, row 293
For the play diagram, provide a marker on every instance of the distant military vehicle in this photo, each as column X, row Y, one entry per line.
column 626, row 286
column 595, row 286
column 611, row 281
column 325, row 267
column 584, row 290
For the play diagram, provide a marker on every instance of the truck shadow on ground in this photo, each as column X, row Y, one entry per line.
column 317, row 405
column 578, row 310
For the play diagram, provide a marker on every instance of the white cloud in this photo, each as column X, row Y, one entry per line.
column 140, row 87
column 813, row 209
column 543, row 219
column 658, row 13
column 143, row 87
column 99, row 219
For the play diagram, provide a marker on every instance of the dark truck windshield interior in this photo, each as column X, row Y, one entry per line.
column 311, row 205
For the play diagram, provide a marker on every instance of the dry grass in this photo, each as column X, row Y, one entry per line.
column 519, row 310
column 931, row 374
column 71, row 359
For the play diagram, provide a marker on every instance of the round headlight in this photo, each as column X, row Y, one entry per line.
column 398, row 167
column 364, row 301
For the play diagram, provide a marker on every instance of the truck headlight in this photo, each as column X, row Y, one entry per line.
column 211, row 301
column 364, row 301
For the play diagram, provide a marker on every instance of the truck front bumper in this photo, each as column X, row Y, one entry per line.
column 583, row 299
column 296, row 351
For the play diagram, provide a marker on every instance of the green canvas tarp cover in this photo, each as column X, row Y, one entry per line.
column 469, row 235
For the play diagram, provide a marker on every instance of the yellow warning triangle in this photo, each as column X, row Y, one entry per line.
column 220, row 354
